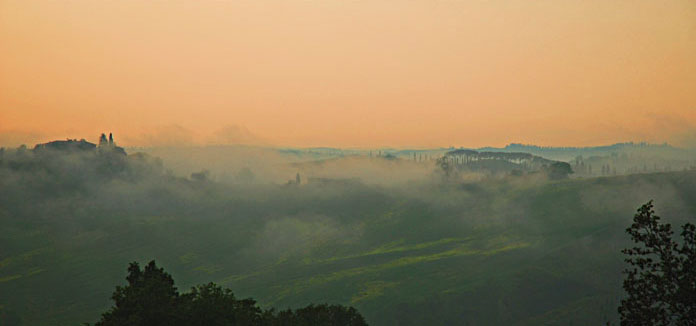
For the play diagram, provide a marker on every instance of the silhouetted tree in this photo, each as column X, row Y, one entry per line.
column 321, row 315
column 210, row 305
column 150, row 299
column 558, row 170
column 661, row 281
column 103, row 140
column 445, row 166
column 202, row 176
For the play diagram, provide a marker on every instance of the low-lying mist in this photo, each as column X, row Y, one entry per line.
column 262, row 165
column 400, row 237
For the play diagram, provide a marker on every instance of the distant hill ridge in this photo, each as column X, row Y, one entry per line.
column 616, row 146
column 73, row 145
column 508, row 162
column 571, row 153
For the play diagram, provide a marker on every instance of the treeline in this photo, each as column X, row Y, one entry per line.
column 69, row 163
column 151, row 299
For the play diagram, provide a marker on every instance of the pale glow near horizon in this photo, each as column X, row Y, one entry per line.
column 349, row 73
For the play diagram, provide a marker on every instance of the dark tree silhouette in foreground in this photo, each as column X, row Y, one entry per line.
column 150, row 299
column 661, row 281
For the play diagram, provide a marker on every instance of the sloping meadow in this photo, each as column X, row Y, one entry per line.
column 513, row 250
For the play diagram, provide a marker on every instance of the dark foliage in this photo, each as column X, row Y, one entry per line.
column 558, row 170
column 661, row 281
column 320, row 315
column 151, row 299
column 9, row 318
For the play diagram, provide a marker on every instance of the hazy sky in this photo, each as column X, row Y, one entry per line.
column 349, row 73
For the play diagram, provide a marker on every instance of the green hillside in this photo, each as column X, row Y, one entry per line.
column 512, row 251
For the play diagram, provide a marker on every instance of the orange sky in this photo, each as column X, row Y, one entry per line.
column 350, row 73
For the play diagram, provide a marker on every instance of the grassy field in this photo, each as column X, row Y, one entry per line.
column 506, row 251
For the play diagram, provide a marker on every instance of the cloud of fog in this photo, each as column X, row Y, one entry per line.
column 348, row 212
column 235, row 135
column 285, row 237
column 175, row 135
column 682, row 130
column 164, row 136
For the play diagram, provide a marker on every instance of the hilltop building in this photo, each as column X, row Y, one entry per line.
column 74, row 145
column 66, row 145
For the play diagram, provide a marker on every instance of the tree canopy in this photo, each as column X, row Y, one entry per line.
column 660, row 281
column 151, row 299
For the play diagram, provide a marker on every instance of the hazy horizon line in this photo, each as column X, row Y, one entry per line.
column 377, row 147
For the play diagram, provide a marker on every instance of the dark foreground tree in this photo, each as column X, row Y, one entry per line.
column 660, row 283
column 320, row 315
column 210, row 304
column 150, row 299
